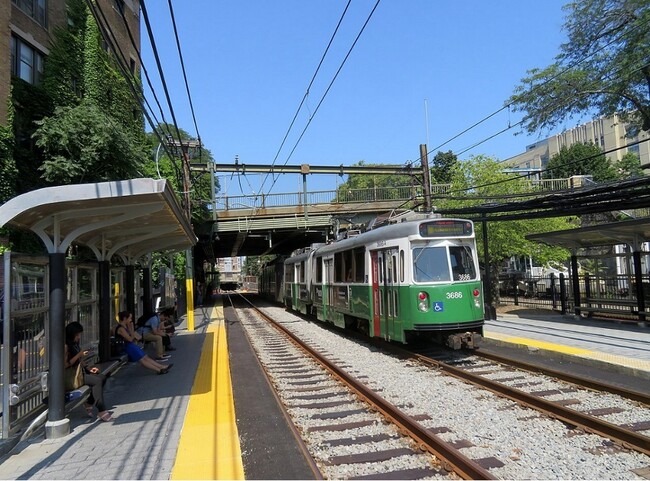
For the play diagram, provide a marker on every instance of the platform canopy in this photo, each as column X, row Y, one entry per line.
column 130, row 218
column 631, row 232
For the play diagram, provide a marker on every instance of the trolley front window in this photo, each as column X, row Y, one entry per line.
column 430, row 264
column 442, row 264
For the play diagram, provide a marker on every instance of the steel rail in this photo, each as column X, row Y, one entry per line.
column 579, row 381
column 625, row 437
column 451, row 458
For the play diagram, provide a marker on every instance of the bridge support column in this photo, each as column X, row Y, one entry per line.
column 304, row 170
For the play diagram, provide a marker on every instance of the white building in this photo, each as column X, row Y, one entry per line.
column 608, row 133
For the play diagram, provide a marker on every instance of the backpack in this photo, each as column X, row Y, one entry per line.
column 142, row 320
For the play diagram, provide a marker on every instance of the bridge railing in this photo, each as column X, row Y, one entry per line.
column 320, row 197
column 376, row 194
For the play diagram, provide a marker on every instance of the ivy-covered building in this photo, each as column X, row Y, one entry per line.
column 27, row 30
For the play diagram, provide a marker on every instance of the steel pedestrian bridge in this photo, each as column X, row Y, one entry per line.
column 279, row 223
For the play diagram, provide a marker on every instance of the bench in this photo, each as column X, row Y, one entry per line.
column 38, row 384
column 630, row 314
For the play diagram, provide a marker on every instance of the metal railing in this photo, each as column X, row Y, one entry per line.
column 614, row 295
column 339, row 196
column 375, row 194
column 25, row 330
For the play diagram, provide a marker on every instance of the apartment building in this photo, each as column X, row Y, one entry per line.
column 608, row 133
column 27, row 29
column 230, row 269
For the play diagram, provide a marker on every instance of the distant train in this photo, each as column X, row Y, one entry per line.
column 417, row 278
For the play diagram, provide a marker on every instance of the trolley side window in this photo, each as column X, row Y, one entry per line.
column 301, row 272
column 401, row 265
column 430, row 264
column 339, row 268
column 319, row 270
column 288, row 274
column 359, row 263
column 344, row 266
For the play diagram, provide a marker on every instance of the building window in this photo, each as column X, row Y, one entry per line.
column 634, row 149
column 37, row 9
column 26, row 62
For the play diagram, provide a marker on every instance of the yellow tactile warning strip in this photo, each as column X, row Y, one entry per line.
column 209, row 443
column 573, row 351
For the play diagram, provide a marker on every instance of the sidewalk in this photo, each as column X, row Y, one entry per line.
column 142, row 441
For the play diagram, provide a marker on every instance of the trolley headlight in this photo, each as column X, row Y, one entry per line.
column 423, row 301
column 477, row 298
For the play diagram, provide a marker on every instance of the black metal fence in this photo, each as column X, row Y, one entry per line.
column 615, row 296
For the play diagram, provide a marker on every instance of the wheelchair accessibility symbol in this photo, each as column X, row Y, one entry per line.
column 438, row 307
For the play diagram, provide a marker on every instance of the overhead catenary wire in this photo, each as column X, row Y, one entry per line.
column 187, row 85
column 536, row 173
column 164, row 124
column 533, row 88
column 161, row 73
column 109, row 36
column 313, row 78
column 573, row 162
column 329, row 86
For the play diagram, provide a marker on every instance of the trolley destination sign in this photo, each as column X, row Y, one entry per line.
column 446, row 228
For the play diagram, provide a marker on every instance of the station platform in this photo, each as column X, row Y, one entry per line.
column 213, row 415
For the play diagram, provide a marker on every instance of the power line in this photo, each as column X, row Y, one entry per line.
column 573, row 162
column 105, row 29
column 160, row 69
column 535, row 87
column 313, row 78
column 180, row 56
column 148, row 79
column 329, row 86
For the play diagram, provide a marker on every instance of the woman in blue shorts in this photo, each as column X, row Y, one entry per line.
column 126, row 331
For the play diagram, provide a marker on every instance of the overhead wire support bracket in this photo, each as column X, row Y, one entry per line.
column 311, row 169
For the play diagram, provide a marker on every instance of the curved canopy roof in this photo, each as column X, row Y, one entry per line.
column 130, row 218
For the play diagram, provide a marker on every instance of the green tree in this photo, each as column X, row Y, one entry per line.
column 444, row 167
column 159, row 165
column 386, row 186
column 82, row 124
column 253, row 264
column 580, row 159
column 603, row 67
column 481, row 179
column 365, row 181
column 8, row 169
column 629, row 166
column 84, row 144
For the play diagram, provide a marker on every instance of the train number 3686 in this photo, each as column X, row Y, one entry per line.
column 454, row 295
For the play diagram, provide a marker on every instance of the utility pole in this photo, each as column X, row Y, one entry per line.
column 185, row 145
column 426, row 177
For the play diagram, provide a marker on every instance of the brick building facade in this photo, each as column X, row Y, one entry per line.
column 26, row 33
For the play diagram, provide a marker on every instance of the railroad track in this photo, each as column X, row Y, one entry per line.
column 556, row 394
column 511, row 440
column 349, row 429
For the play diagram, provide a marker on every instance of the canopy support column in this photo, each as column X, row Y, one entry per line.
column 57, row 425
column 130, row 288
column 104, row 310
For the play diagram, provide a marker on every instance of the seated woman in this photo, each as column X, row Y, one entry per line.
column 126, row 331
column 73, row 355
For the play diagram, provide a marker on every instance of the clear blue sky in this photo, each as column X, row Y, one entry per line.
column 249, row 63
